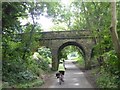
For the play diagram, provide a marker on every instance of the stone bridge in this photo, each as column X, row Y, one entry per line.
column 57, row 40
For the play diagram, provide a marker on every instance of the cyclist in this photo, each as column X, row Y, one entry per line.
column 62, row 60
column 61, row 69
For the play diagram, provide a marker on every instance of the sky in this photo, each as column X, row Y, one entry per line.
column 46, row 23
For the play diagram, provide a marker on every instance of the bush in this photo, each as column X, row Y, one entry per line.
column 18, row 71
column 45, row 58
column 109, row 74
column 14, row 71
column 26, row 75
column 107, row 80
column 44, row 65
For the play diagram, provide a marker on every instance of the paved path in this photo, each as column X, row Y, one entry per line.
column 74, row 78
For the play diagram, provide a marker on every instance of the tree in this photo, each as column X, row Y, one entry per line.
column 114, row 35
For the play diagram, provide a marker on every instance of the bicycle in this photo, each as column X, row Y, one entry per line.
column 61, row 78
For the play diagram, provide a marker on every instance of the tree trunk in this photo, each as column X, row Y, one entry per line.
column 114, row 35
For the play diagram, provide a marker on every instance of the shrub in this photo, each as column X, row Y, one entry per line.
column 109, row 74
column 107, row 80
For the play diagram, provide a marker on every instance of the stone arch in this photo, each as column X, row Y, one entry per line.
column 74, row 44
column 56, row 41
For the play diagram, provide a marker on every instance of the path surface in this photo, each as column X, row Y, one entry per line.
column 74, row 78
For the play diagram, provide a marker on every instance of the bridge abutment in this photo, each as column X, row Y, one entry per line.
column 88, row 64
column 88, row 57
column 54, row 59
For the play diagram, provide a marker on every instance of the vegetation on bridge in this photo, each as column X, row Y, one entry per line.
column 17, row 65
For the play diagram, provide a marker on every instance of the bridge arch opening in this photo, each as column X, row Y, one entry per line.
column 73, row 44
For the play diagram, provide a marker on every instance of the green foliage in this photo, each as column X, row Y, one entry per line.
column 17, row 71
column 27, row 75
column 10, row 12
column 109, row 74
column 107, row 80
column 44, row 65
column 45, row 53
column 14, row 71
column 18, row 43
column 30, row 84
column 67, row 50
column 80, row 60
column 111, row 62
column 18, row 65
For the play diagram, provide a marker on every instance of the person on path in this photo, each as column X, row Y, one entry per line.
column 63, row 60
column 61, row 69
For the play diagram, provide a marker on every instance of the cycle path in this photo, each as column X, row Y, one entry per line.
column 74, row 78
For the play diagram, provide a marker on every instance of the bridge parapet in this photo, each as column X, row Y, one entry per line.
column 75, row 34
